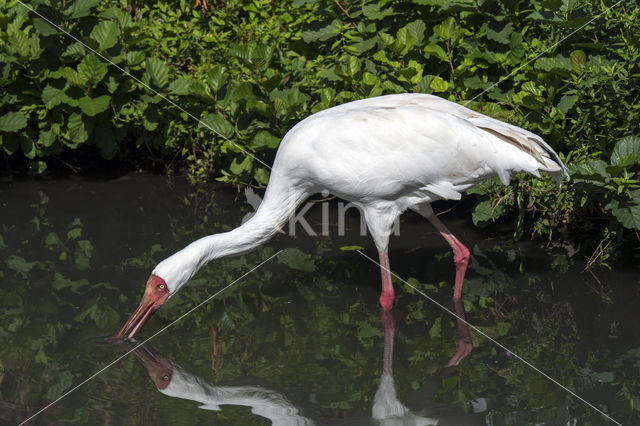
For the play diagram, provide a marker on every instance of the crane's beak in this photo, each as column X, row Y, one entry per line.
column 152, row 299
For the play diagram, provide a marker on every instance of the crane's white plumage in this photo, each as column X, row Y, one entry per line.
column 386, row 155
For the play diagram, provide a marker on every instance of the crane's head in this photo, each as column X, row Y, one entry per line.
column 159, row 368
column 155, row 294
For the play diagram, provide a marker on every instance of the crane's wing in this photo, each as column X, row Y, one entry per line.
column 522, row 139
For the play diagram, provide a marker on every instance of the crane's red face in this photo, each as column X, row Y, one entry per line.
column 155, row 294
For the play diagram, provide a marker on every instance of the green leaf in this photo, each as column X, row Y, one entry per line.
column 94, row 106
column 261, row 175
column 237, row 168
column 106, row 33
column 368, row 79
column 437, row 51
column 596, row 169
column 52, row 96
column 516, row 48
column 627, row 214
column 78, row 128
column 218, row 124
column 446, row 30
column 411, row 73
column 578, row 60
column 603, row 377
column 121, row 16
column 34, row 47
column 566, row 103
column 47, row 138
column 322, row 34
column 76, row 50
column 181, row 86
column 150, row 117
column 557, row 64
column 261, row 55
column 10, row 142
column 135, row 57
column 391, row 87
column 70, row 75
column 373, row 12
column 532, row 88
column 19, row 264
column 12, row 122
column 80, row 8
column 482, row 213
column 351, row 248
column 264, row 139
column 242, row 52
column 20, row 42
column 296, row 259
column 60, row 282
column 365, row 45
column 626, row 147
column 439, row 85
column 28, row 147
column 91, row 70
column 83, row 253
column 352, row 66
column 64, row 382
column 158, row 71
column 216, row 77
column 415, row 30
column 43, row 27
column 475, row 82
column 436, row 329
column 503, row 36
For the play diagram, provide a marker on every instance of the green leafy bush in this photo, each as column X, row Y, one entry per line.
column 613, row 185
column 250, row 70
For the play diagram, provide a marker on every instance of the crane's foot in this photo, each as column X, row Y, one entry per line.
column 386, row 300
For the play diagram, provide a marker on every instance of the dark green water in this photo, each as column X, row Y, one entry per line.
column 300, row 341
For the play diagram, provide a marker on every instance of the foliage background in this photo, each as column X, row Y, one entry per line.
column 250, row 70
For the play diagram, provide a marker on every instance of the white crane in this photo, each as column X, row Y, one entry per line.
column 386, row 155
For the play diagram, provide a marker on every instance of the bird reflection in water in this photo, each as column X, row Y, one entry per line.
column 387, row 409
column 174, row 381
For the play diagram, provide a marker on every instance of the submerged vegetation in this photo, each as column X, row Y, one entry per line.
column 250, row 70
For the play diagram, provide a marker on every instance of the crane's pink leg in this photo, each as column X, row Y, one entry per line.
column 463, row 342
column 461, row 259
column 460, row 254
column 387, row 295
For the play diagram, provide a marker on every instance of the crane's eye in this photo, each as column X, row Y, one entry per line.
column 161, row 286
column 165, row 378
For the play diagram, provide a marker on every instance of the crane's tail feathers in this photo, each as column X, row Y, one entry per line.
column 555, row 167
column 531, row 144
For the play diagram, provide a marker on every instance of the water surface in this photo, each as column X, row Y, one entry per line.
column 300, row 341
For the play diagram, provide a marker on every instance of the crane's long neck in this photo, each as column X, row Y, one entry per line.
column 279, row 204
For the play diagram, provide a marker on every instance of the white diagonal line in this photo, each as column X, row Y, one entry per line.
column 140, row 344
column 128, row 74
column 541, row 53
column 477, row 330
